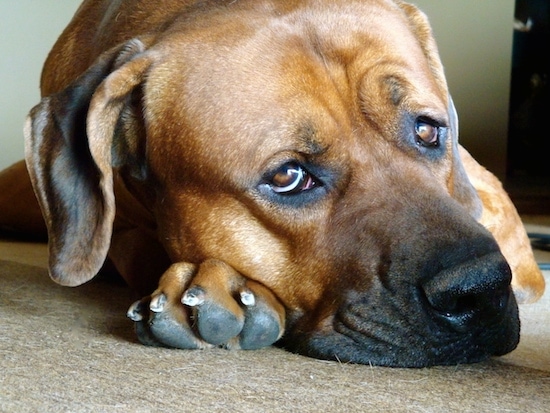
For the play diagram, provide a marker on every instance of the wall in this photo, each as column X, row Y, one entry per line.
column 475, row 40
column 28, row 29
column 475, row 43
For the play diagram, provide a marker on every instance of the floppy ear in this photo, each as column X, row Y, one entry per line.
column 68, row 143
column 502, row 220
column 459, row 185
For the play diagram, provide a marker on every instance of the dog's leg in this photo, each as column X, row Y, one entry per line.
column 138, row 257
column 208, row 305
column 19, row 210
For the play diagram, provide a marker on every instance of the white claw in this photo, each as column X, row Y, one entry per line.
column 192, row 299
column 247, row 298
column 157, row 303
column 133, row 312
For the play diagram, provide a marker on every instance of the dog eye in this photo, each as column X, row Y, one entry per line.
column 427, row 135
column 291, row 178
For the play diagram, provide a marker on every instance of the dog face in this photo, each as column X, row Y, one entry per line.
column 314, row 150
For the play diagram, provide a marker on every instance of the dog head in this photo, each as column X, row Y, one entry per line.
column 312, row 147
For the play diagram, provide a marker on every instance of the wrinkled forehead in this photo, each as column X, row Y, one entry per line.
column 266, row 77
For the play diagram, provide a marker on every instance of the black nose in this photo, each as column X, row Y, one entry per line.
column 472, row 294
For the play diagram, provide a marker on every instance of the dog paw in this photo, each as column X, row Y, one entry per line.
column 208, row 306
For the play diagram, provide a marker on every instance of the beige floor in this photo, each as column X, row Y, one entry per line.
column 73, row 350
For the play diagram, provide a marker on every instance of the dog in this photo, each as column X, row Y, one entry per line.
column 272, row 172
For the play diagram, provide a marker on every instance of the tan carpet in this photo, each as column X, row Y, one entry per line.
column 73, row 350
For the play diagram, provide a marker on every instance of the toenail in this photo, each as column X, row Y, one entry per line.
column 133, row 312
column 247, row 298
column 193, row 297
column 157, row 303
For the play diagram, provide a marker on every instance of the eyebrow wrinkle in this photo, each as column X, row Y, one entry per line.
column 396, row 89
column 306, row 135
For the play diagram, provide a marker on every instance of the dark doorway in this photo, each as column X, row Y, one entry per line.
column 528, row 163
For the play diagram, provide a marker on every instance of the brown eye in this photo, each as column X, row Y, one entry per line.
column 291, row 178
column 426, row 134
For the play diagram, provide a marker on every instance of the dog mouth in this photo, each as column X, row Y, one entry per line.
column 429, row 337
column 426, row 341
column 457, row 317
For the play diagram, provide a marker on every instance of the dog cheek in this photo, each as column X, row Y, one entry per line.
column 228, row 232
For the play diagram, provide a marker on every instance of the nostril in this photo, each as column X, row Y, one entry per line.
column 473, row 294
column 457, row 306
column 457, row 312
column 463, row 312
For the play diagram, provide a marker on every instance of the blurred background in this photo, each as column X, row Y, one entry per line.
column 28, row 30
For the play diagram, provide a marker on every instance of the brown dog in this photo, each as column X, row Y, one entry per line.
column 291, row 167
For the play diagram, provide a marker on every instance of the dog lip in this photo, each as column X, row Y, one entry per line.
column 382, row 333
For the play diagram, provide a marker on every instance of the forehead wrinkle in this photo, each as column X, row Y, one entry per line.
column 402, row 93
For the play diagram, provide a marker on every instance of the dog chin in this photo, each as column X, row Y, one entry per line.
column 422, row 342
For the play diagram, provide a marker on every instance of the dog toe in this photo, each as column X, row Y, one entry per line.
column 215, row 323
column 264, row 318
column 139, row 315
column 232, row 311
column 251, row 323
column 173, row 333
column 212, row 305
column 156, row 325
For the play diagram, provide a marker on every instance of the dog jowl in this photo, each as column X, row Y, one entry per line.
column 283, row 172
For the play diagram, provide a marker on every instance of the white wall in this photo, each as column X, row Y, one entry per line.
column 475, row 43
column 28, row 29
column 474, row 37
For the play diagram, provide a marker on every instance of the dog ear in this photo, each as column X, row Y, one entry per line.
column 68, row 142
column 459, row 185
column 502, row 220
